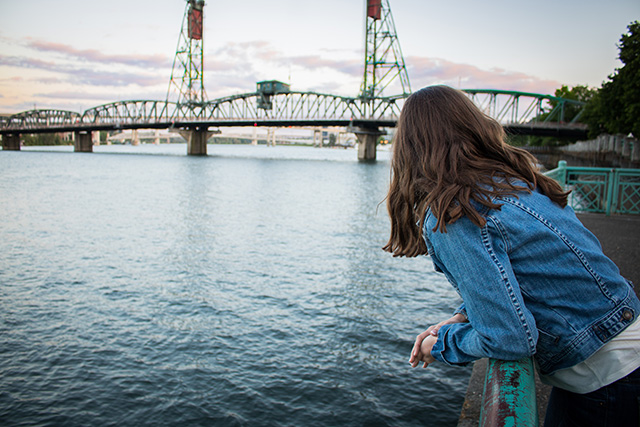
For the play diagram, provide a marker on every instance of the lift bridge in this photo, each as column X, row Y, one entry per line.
column 273, row 104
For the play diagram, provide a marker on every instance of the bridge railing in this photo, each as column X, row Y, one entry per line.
column 509, row 395
column 601, row 190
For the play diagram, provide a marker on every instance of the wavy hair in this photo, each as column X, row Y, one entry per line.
column 446, row 154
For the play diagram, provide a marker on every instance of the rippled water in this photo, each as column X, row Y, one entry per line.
column 140, row 286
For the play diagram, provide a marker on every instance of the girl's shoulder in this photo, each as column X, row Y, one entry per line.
column 461, row 229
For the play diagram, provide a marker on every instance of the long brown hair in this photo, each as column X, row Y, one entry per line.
column 446, row 153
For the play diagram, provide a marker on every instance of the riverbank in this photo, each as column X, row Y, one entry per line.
column 619, row 236
column 611, row 151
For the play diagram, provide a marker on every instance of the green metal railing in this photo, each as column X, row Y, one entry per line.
column 509, row 395
column 602, row 190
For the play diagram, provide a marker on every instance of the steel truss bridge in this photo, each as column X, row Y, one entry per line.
column 518, row 112
column 187, row 108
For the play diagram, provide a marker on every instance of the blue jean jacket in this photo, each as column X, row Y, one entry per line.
column 534, row 282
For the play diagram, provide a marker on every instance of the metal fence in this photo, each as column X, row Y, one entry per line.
column 602, row 190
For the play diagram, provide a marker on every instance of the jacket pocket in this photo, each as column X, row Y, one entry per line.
column 547, row 347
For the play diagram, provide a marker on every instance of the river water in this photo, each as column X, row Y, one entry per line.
column 140, row 286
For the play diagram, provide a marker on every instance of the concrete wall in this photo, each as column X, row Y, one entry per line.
column 619, row 149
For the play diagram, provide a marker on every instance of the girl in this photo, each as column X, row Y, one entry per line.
column 533, row 279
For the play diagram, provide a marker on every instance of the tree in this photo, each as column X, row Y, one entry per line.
column 616, row 106
column 577, row 93
column 43, row 139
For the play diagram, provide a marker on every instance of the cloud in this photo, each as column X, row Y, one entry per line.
column 23, row 62
column 72, row 95
column 313, row 62
column 12, row 79
column 84, row 75
column 92, row 55
column 236, row 67
column 245, row 61
column 107, row 78
column 245, row 55
column 229, row 69
column 427, row 71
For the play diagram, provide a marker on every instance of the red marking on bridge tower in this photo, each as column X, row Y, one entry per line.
column 374, row 8
column 195, row 23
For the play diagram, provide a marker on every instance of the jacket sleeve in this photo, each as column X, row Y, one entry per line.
column 476, row 262
column 461, row 310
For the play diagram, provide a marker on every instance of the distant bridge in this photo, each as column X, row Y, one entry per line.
column 273, row 104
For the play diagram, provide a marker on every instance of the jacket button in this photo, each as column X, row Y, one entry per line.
column 627, row 315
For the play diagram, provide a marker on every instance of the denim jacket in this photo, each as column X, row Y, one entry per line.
column 534, row 282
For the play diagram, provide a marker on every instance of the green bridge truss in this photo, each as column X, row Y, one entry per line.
column 520, row 110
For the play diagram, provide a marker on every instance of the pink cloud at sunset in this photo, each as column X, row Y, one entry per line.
column 427, row 71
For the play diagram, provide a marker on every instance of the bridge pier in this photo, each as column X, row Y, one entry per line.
column 11, row 142
column 317, row 138
column 367, row 142
column 271, row 137
column 135, row 138
column 196, row 140
column 83, row 142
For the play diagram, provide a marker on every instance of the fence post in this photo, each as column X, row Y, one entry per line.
column 562, row 176
column 509, row 396
column 615, row 192
column 612, row 191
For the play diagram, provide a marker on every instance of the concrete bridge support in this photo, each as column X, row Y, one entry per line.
column 271, row 137
column 11, row 142
column 83, row 142
column 367, row 142
column 196, row 140
column 317, row 138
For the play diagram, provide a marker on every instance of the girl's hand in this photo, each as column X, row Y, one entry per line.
column 421, row 351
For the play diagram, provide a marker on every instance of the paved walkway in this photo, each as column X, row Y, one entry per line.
column 620, row 240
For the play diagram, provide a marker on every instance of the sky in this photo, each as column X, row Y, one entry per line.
column 78, row 54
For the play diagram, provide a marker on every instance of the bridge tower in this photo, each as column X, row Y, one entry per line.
column 383, row 60
column 186, row 86
column 383, row 66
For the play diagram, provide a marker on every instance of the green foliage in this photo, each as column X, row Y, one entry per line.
column 44, row 139
column 577, row 93
column 616, row 107
column 232, row 140
column 538, row 141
